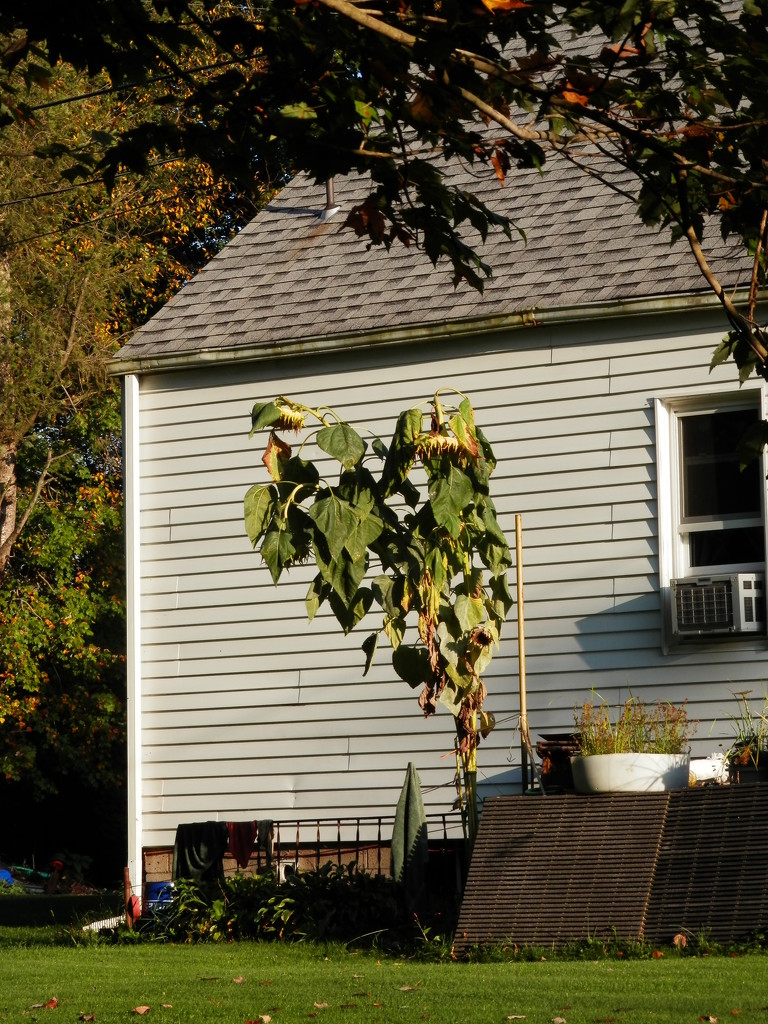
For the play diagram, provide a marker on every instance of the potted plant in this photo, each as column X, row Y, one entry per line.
column 644, row 750
column 747, row 759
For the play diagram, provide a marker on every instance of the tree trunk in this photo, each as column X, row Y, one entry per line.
column 8, row 502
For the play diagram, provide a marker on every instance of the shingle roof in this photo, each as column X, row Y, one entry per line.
column 289, row 277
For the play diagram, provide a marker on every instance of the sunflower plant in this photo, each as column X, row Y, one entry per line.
column 407, row 529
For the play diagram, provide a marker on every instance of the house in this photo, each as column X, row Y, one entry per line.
column 587, row 361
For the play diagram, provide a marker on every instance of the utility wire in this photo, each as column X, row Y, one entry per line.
column 82, row 184
column 111, row 89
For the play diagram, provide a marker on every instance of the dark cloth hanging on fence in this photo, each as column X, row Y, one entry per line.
column 199, row 850
column 242, row 836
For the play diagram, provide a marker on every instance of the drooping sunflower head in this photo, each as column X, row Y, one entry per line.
column 291, row 415
column 434, row 444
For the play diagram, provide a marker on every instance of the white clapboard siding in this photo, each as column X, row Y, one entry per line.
column 248, row 710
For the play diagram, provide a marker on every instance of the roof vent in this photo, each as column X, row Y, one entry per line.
column 330, row 205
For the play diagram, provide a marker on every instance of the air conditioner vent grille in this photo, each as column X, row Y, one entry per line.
column 701, row 606
column 728, row 603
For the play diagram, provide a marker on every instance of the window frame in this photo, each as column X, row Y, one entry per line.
column 674, row 562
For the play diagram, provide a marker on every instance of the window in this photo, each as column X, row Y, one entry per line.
column 720, row 505
column 712, row 520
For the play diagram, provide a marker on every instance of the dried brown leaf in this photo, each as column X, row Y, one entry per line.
column 141, row 1010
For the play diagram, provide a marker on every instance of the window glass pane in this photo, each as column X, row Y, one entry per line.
column 713, row 484
column 726, row 547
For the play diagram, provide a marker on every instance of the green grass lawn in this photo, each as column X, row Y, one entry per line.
column 243, row 982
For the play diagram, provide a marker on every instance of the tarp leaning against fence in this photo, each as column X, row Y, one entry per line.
column 409, row 841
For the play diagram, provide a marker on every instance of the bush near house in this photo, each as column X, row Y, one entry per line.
column 333, row 903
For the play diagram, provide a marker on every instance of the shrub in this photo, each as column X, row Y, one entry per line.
column 333, row 903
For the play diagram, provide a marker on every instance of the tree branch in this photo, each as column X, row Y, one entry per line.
column 7, row 546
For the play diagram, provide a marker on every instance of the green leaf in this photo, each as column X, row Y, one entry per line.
column 317, row 593
column 342, row 443
column 342, row 573
column 264, row 414
column 500, row 600
column 411, row 664
column 335, row 519
column 259, row 507
column 277, row 549
column 452, row 695
column 410, row 493
column 463, row 426
column 301, row 111
column 449, row 495
column 492, row 544
column 723, row 351
column 470, row 611
column 435, row 565
column 298, row 471
column 382, row 590
column 401, row 452
column 369, row 646
column 368, row 527
column 348, row 615
column 394, row 627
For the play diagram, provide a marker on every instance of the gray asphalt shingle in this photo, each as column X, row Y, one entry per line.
column 288, row 277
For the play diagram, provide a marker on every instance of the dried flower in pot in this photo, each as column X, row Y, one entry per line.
column 645, row 749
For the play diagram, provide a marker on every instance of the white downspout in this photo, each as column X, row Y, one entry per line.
column 132, row 492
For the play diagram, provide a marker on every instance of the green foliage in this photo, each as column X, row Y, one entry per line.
column 673, row 96
column 80, row 269
column 661, row 728
column 751, row 729
column 333, row 903
column 431, row 557
column 62, row 670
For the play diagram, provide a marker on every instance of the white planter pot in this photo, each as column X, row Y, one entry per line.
column 630, row 773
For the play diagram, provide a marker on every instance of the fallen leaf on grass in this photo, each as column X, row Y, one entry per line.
column 516, row 1016
column 141, row 1010
column 239, row 979
column 407, row 988
column 263, row 983
column 320, row 1006
column 709, row 1018
column 87, row 1017
column 558, row 1020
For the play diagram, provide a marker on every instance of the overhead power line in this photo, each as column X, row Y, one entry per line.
column 108, row 90
column 80, row 184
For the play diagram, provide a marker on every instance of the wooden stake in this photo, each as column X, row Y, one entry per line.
column 524, row 740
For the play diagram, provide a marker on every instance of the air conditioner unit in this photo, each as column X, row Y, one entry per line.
column 710, row 605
